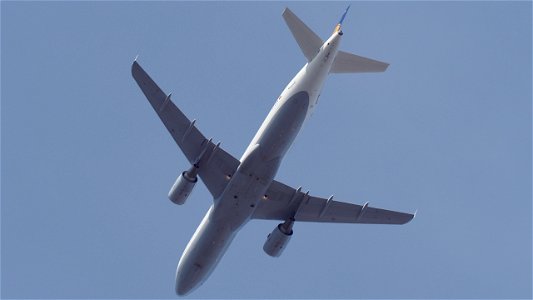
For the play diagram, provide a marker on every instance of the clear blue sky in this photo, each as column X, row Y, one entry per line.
column 86, row 163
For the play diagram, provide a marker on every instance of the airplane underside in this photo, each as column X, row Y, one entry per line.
column 245, row 189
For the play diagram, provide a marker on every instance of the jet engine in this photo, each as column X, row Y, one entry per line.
column 279, row 238
column 182, row 188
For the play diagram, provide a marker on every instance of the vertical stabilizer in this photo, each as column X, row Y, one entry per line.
column 339, row 25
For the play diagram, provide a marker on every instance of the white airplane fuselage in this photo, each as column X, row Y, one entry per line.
column 259, row 165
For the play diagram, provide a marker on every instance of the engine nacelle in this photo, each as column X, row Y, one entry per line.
column 279, row 238
column 182, row 188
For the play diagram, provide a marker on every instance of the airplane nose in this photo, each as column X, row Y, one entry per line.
column 187, row 280
column 182, row 288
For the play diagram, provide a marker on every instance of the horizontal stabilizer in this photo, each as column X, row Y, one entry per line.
column 350, row 63
column 308, row 41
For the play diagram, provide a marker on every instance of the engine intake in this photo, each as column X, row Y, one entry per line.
column 182, row 188
column 279, row 238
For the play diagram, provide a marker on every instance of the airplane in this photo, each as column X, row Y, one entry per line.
column 245, row 189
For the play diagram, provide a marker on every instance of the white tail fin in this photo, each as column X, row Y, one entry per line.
column 308, row 41
column 350, row 63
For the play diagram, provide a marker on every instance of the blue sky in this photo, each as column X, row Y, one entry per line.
column 86, row 164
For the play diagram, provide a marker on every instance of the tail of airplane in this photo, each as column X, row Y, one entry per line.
column 310, row 44
column 339, row 25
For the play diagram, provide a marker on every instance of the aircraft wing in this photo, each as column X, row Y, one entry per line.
column 215, row 164
column 282, row 202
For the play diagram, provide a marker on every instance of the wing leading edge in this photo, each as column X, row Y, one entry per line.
column 283, row 202
column 215, row 163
